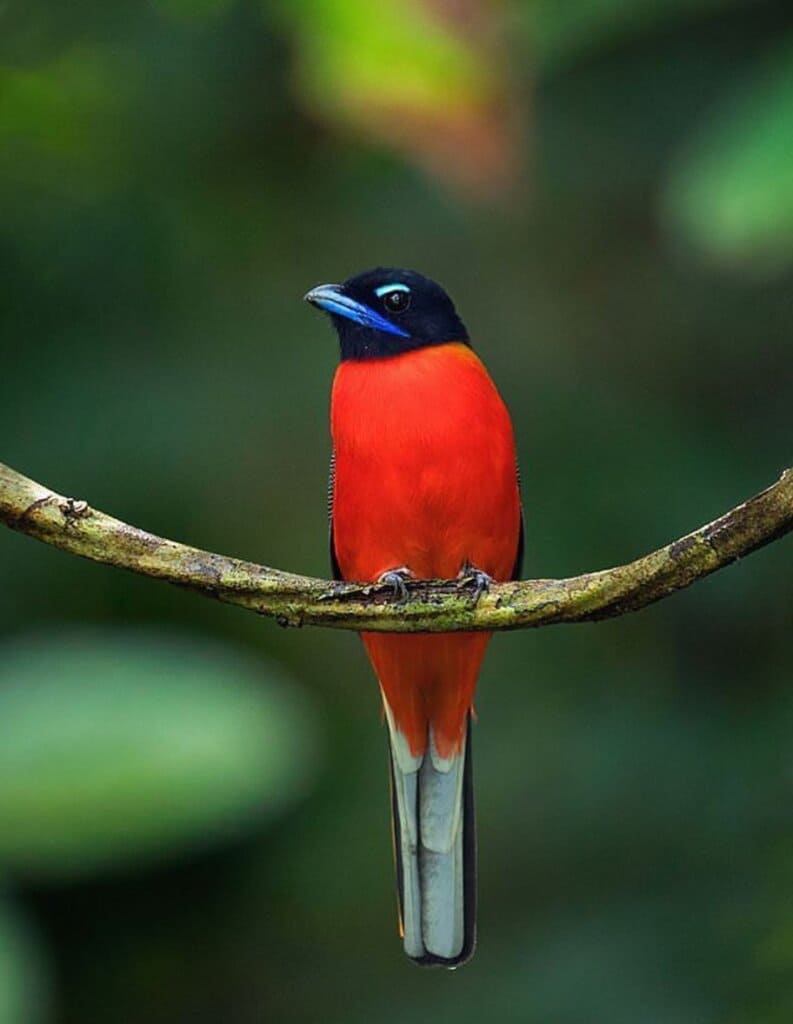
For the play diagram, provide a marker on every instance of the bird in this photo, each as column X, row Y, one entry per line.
column 424, row 484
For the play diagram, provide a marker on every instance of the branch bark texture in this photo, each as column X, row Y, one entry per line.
column 432, row 606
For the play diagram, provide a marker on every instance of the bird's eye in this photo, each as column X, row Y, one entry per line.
column 396, row 301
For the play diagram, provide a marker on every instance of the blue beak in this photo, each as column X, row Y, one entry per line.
column 332, row 299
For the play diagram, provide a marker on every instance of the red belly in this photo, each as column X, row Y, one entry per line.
column 425, row 478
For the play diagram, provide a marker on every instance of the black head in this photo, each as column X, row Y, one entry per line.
column 387, row 311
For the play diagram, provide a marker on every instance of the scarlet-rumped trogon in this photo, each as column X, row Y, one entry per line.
column 424, row 485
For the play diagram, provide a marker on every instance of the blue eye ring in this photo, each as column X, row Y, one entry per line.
column 397, row 286
column 395, row 297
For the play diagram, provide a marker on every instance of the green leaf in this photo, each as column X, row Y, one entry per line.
column 424, row 79
column 731, row 193
column 355, row 54
column 120, row 746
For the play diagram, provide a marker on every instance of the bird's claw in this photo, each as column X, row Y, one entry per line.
column 477, row 579
column 396, row 578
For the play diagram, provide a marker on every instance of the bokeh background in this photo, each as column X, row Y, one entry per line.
column 193, row 803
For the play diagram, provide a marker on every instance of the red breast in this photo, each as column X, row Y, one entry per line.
column 425, row 466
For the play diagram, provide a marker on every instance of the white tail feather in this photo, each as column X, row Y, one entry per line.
column 440, row 852
column 428, row 797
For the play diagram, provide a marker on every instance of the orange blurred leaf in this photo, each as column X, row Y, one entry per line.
column 427, row 78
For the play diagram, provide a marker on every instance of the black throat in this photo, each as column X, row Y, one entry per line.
column 357, row 342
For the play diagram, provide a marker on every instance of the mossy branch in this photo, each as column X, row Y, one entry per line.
column 433, row 606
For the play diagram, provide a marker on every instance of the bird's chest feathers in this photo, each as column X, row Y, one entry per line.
column 418, row 416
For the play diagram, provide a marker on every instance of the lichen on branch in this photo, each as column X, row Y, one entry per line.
column 72, row 525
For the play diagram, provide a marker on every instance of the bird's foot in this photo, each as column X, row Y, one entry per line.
column 478, row 580
column 396, row 579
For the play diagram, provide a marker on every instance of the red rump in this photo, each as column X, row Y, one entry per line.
column 425, row 478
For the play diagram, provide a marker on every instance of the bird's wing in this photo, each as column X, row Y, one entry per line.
column 517, row 568
column 334, row 562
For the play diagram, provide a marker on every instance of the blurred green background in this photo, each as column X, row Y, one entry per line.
column 193, row 803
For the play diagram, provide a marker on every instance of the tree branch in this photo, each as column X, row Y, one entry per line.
column 434, row 606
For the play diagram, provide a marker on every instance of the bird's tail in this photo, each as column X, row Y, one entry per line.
column 435, row 849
